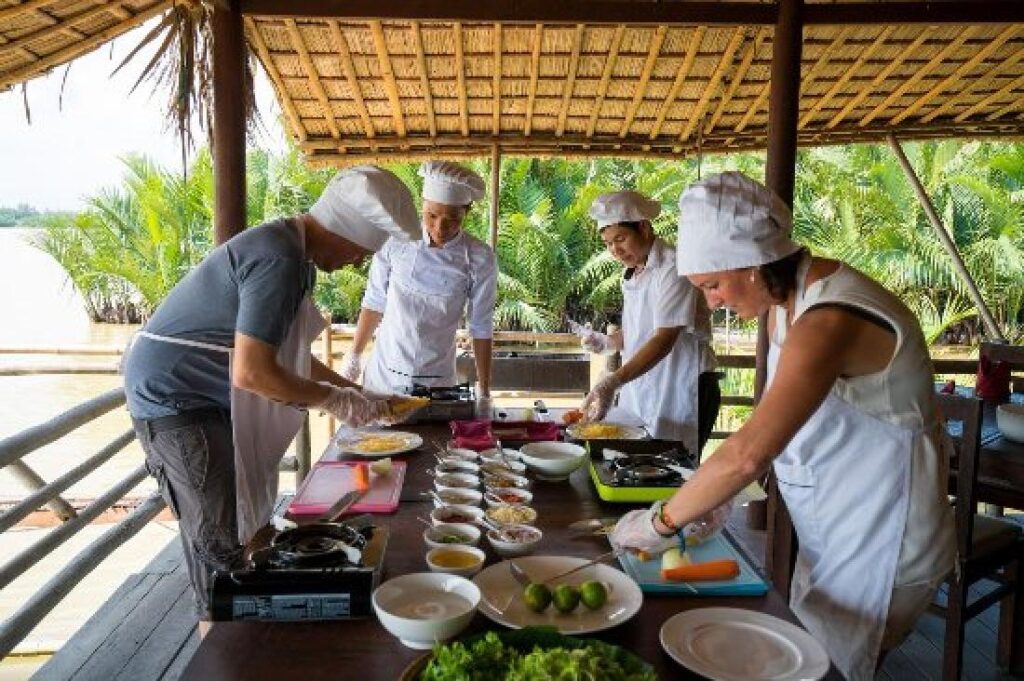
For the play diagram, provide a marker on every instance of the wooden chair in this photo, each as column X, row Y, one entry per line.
column 987, row 548
column 1012, row 355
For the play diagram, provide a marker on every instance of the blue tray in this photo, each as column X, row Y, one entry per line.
column 648, row 573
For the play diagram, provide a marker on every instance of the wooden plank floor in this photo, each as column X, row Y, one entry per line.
column 146, row 631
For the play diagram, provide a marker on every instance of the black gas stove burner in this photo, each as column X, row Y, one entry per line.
column 459, row 393
column 645, row 470
column 318, row 545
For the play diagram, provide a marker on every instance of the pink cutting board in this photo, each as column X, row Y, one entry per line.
column 328, row 480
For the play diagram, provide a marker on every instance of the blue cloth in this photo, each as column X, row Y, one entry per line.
column 253, row 284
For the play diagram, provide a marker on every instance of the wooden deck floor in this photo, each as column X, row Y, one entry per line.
column 146, row 631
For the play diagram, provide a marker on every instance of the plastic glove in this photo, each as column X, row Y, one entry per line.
column 635, row 530
column 352, row 367
column 352, row 407
column 484, row 407
column 599, row 399
column 592, row 341
column 709, row 525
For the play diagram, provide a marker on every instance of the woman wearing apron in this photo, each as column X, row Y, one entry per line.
column 218, row 379
column 848, row 423
column 418, row 291
column 665, row 337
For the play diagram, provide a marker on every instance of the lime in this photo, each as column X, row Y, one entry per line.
column 537, row 597
column 593, row 594
column 566, row 598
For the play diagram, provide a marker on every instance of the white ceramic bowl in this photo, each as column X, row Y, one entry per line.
column 424, row 608
column 506, row 454
column 461, row 453
column 1010, row 419
column 456, row 513
column 506, row 514
column 513, row 495
column 471, row 560
column 528, row 535
column 456, row 497
column 456, row 481
column 492, row 482
column 553, row 460
column 434, row 537
column 503, row 467
column 452, row 465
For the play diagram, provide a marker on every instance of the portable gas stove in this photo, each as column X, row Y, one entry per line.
column 646, row 470
column 448, row 403
column 305, row 574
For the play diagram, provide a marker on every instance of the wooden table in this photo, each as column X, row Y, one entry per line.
column 365, row 650
column 1000, row 466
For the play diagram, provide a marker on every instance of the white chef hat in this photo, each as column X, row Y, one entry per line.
column 615, row 207
column 729, row 221
column 451, row 184
column 366, row 205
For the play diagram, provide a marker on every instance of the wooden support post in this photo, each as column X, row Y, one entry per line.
column 780, row 174
column 495, row 192
column 947, row 242
column 228, row 121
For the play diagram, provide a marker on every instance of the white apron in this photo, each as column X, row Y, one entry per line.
column 262, row 428
column 845, row 477
column 415, row 342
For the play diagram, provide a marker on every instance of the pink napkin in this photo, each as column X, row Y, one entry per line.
column 480, row 434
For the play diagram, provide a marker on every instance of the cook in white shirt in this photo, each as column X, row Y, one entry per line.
column 418, row 291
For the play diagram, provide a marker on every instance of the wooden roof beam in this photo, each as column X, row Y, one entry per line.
column 961, row 71
column 606, row 77
column 496, row 82
column 295, row 36
column 1002, row 92
column 24, row 8
column 349, row 69
column 64, row 25
column 681, row 75
column 848, row 73
column 930, row 66
column 741, row 73
column 738, row 34
column 645, row 76
column 758, row 104
column 570, row 83
column 421, row 60
column 538, row 40
column 1015, row 104
column 976, row 85
column 460, row 75
column 380, row 44
column 256, row 40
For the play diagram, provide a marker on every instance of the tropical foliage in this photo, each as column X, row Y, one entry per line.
column 132, row 244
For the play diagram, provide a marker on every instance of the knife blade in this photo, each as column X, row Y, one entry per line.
column 340, row 506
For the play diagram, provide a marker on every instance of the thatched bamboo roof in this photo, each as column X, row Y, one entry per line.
column 362, row 88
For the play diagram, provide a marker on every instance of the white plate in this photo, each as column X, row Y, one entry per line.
column 349, row 442
column 706, row 640
column 502, row 602
column 626, row 432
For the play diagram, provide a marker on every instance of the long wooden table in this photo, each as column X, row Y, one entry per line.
column 363, row 649
column 1000, row 465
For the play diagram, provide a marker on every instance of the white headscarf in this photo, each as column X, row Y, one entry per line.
column 615, row 207
column 366, row 205
column 728, row 222
column 451, row 184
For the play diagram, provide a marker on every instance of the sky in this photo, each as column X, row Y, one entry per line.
column 71, row 149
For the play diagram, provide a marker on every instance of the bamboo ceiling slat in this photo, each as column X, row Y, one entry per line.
column 570, row 83
column 496, row 82
column 534, row 72
column 1013, row 86
column 421, row 61
column 737, row 79
column 275, row 77
column 976, row 86
column 606, row 76
column 645, row 76
column 693, row 47
column 340, row 43
column 63, row 26
column 314, row 77
column 460, row 75
column 388, row 75
column 697, row 115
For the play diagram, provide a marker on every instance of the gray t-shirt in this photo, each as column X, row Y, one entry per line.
column 253, row 284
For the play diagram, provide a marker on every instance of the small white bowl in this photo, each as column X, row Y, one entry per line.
column 450, row 465
column 455, row 497
column 424, row 608
column 499, row 482
column 1010, row 419
column 456, row 481
column 456, row 513
column 461, row 453
column 553, row 460
column 503, row 467
column 471, row 560
column 434, row 537
column 493, row 454
column 506, row 514
column 521, row 497
column 511, row 549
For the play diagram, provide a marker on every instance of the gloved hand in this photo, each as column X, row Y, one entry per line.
column 709, row 525
column 484, row 407
column 635, row 530
column 352, row 407
column 599, row 399
column 592, row 341
column 352, row 367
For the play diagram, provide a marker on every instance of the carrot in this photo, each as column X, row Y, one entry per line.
column 362, row 477
column 696, row 572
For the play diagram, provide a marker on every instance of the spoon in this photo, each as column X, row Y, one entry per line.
column 433, row 495
column 484, row 522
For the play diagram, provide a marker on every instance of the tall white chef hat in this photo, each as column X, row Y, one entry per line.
column 615, row 207
column 728, row 222
column 451, row 184
column 366, row 205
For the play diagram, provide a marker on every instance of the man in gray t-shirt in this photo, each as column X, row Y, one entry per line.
column 196, row 419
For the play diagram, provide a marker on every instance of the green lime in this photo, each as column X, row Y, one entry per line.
column 537, row 597
column 593, row 594
column 566, row 597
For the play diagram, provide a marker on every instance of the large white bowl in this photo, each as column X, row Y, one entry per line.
column 552, row 460
column 425, row 608
column 1010, row 419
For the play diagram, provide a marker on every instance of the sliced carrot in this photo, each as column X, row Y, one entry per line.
column 362, row 477
column 696, row 572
